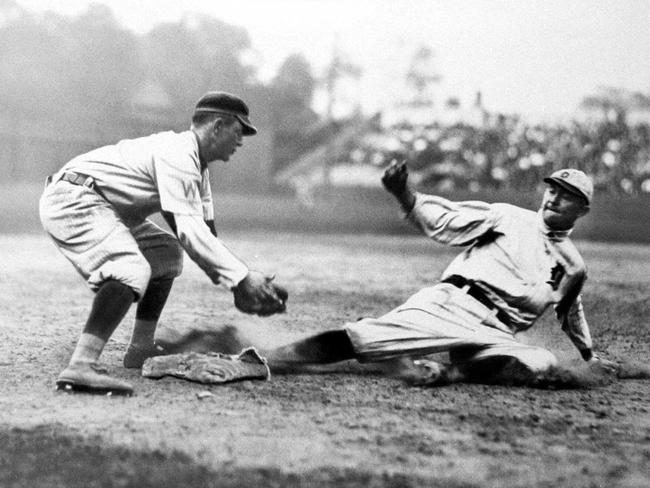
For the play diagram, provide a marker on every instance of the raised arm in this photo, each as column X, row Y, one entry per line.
column 447, row 222
column 396, row 182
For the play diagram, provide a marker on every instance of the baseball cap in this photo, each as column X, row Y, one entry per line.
column 228, row 104
column 574, row 181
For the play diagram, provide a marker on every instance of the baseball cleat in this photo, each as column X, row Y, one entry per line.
column 428, row 373
column 135, row 356
column 91, row 378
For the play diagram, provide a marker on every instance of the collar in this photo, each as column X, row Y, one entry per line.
column 197, row 147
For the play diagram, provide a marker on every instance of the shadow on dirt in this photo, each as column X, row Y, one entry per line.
column 48, row 456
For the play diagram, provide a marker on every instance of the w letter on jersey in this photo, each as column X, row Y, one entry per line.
column 191, row 191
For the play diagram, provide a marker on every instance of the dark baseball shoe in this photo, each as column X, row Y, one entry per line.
column 135, row 356
column 91, row 378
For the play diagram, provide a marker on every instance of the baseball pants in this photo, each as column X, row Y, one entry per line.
column 443, row 318
column 93, row 237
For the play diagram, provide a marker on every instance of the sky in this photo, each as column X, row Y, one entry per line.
column 538, row 58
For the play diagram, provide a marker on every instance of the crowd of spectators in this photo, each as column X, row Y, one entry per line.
column 507, row 153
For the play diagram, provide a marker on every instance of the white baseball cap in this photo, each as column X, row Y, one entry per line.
column 574, row 181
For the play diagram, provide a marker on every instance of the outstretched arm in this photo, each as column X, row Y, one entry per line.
column 574, row 324
column 254, row 292
column 447, row 222
column 208, row 252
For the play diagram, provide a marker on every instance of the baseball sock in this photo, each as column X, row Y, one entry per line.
column 143, row 333
column 88, row 349
column 111, row 303
column 327, row 347
column 148, row 312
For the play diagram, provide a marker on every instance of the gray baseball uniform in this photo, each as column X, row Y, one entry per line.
column 512, row 269
column 99, row 219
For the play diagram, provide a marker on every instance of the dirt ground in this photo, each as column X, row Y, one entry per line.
column 343, row 429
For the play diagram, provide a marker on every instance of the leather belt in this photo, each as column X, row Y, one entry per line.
column 79, row 179
column 477, row 294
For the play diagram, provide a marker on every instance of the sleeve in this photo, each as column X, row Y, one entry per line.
column 208, row 252
column 179, row 180
column 453, row 223
column 567, row 277
column 206, row 196
column 574, row 324
column 207, row 203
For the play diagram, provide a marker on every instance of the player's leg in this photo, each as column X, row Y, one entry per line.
column 118, row 278
column 437, row 319
column 324, row 348
column 505, row 363
column 508, row 363
column 165, row 256
column 111, row 303
column 142, row 345
column 427, row 322
column 88, row 233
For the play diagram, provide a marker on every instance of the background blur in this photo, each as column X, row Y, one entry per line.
column 482, row 98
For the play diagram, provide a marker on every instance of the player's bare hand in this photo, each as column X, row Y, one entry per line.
column 258, row 294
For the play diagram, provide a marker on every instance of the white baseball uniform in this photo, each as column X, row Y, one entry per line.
column 102, row 227
column 516, row 262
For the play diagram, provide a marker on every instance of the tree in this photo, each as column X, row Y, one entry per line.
column 292, row 95
column 195, row 55
column 640, row 101
column 615, row 102
column 103, row 69
column 292, row 92
column 339, row 69
column 30, row 63
column 53, row 64
column 422, row 75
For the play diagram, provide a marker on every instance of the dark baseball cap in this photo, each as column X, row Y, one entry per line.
column 574, row 181
column 227, row 104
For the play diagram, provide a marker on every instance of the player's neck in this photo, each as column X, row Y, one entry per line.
column 202, row 149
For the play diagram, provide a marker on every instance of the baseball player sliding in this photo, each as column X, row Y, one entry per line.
column 515, row 264
column 95, row 209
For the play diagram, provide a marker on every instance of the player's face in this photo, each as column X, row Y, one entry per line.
column 561, row 208
column 226, row 139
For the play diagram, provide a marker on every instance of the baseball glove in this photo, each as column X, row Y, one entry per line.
column 395, row 178
column 211, row 368
column 257, row 294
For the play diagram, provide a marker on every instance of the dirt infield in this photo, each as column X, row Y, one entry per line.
column 345, row 429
